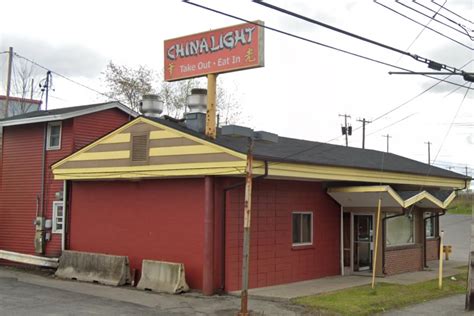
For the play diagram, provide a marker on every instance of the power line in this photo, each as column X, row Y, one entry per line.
column 413, row 20
column 463, row 27
column 452, row 12
column 68, row 79
column 431, row 64
column 433, row 18
column 330, row 47
column 312, row 41
column 452, row 123
column 396, row 122
column 419, row 34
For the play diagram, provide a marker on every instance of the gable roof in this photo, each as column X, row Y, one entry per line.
column 63, row 113
column 292, row 150
column 176, row 151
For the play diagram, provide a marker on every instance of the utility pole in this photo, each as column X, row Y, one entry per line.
column 346, row 130
column 388, row 140
column 364, row 121
column 48, row 82
column 429, row 151
column 9, row 80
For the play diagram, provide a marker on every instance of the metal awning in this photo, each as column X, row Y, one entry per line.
column 368, row 196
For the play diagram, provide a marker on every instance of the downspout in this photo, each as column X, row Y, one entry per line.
column 342, row 241
column 443, row 212
column 223, row 221
column 65, row 197
column 43, row 169
column 384, row 229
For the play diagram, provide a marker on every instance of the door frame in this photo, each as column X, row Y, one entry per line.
column 352, row 235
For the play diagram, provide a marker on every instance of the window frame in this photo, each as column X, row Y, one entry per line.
column 433, row 224
column 413, row 229
column 55, row 217
column 48, row 135
column 301, row 232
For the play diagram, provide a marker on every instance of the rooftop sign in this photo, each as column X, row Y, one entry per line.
column 228, row 49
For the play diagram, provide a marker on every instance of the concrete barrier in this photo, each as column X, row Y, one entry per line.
column 94, row 267
column 29, row 259
column 163, row 276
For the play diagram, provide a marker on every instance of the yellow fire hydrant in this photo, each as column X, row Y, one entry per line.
column 447, row 250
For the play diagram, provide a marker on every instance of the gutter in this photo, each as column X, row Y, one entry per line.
column 384, row 228
column 424, row 234
column 223, row 222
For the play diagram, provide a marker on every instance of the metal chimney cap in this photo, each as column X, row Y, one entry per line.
column 151, row 105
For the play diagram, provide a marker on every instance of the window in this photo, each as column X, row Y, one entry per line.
column 430, row 225
column 53, row 141
column 58, row 217
column 302, row 228
column 400, row 230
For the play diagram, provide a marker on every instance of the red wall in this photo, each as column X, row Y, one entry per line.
column 21, row 174
column 149, row 219
column 273, row 260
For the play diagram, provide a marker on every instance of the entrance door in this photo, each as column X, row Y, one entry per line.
column 363, row 228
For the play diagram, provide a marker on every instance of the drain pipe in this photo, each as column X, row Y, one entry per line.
column 384, row 229
column 443, row 212
column 223, row 221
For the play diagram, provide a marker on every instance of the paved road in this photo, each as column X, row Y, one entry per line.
column 18, row 298
column 457, row 232
column 29, row 294
column 448, row 306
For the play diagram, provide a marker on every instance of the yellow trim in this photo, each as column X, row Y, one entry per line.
column 305, row 171
column 97, row 142
column 115, row 139
column 183, row 150
column 162, row 134
column 360, row 189
column 197, row 139
column 137, row 172
column 422, row 196
column 448, row 201
column 151, row 168
column 122, row 154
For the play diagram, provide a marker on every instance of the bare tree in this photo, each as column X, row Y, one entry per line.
column 25, row 86
column 130, row 84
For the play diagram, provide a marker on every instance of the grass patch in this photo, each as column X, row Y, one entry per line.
column 362, row 300
column 461, row 206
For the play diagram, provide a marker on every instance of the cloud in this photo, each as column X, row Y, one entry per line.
column 72, row 60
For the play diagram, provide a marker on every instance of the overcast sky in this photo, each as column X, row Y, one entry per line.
column 302, row 88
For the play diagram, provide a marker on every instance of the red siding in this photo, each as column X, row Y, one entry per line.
column 150, row 219
column 21, row 174
column 273, row 260
column 21, row 179
column 88, row 128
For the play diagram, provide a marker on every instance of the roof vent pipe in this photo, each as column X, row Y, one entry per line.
column 151, row 105
column 195, row 119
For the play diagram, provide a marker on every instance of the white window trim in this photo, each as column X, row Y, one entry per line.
column 413, row 220
column 311, row 234
column 55, row 204
column 48, row 135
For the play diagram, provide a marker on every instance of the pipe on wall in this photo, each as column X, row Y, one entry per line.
column 437, row 215
column 384, row 229
column 208, row 264
column 223, row 221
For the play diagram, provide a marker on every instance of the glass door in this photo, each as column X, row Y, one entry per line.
column 363, row 242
